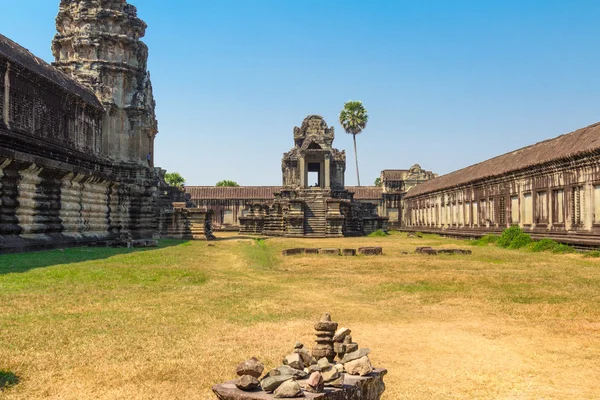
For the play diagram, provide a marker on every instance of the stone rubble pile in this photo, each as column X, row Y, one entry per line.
column 309, row 371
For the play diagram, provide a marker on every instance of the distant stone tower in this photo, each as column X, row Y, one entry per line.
column 98, row 43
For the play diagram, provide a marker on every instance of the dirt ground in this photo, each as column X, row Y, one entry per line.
column 169, row 323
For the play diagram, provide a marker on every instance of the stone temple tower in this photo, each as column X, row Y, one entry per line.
column 98, row 44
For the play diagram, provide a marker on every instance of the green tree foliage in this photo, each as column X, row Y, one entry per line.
column 353, row 119
column 174, row 179
column 377, row 181
column 226, row 182
column 513, row 238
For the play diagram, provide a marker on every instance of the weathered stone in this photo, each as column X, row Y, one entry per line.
column 330, row 374
column 326, row 326
column 454, row 251
column 294, row 360
column 331, row 252
column 307, row 358
column 340, row 334
column 348, row 339
column 361, row 366
column 328, row 335
column 251, row 367
column 292, row 252
column 311, row 251
column 425, row 250
column 349, row 252
column 339, row 367
column 270, row 383
column 355, row 355
column 337, row 382
column 323, row 363
column 315, row 383
column 370, row 251
column 351, row 347
column 288, row 389
column 287, row 370
column 247, row 383
column 339, row 347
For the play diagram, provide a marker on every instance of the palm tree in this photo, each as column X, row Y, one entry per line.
column 353, row 119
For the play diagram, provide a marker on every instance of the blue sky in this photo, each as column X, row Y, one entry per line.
column 447, row 83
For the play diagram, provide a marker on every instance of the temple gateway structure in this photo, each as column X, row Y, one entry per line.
column 313, row 201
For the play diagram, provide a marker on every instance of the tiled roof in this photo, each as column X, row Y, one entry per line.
column 366, row 192
column 266, row 192
column 20, row 55
column 237, row 192
column 578, row 143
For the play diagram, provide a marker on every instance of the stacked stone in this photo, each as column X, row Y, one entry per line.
column 357, row 362
column 249, row 371
column 342, row 342
column 281, row 381
column 325, row 332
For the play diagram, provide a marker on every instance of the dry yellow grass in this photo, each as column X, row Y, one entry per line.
column 171, row 322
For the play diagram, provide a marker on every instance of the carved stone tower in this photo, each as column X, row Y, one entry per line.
column 313, row 153
column 98, row 43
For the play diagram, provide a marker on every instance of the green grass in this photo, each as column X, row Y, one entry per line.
column 172, row 321
column 485, row 240
column 379, row 233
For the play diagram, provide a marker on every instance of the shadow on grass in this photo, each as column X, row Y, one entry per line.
column 239, row 237
column 18, row 263
column 8, row 379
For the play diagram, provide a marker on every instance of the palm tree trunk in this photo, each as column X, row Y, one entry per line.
column 356, row 158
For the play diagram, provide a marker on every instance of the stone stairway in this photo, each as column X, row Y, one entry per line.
column 315, row 221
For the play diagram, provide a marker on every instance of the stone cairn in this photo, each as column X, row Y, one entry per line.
column 305, row 371
column 325, row 331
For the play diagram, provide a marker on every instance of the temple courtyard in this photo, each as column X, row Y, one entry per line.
column 170, row 322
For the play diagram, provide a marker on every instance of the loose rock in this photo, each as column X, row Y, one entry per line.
column 288, row 389
column 251, row 367
column 315, row 383
column 247, row 383
column 355, row 355
column 270, row 383
column 361, row 366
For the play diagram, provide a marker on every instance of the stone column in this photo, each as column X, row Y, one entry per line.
column 302, row 166
column 327, row 172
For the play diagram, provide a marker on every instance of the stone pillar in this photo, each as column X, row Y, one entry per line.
column 327, row 172
column 302, row 166
column 6, row 88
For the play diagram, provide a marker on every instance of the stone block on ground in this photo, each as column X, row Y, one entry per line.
column 454, row 251
column 370, row 251
column 425, row 250
column 349, row 252
column 311, row 251
column 331, row 252
column 292, row 252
